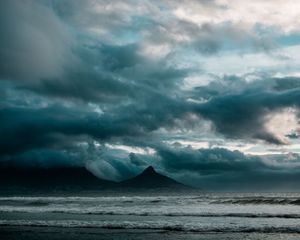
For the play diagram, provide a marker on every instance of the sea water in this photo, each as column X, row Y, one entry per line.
column 195, row 212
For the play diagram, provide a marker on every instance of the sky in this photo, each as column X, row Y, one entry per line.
column 206, row 91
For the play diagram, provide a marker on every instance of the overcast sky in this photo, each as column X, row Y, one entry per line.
column 207, row 92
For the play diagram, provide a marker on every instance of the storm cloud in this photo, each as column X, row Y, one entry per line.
column 220, row 168
column 189, row 87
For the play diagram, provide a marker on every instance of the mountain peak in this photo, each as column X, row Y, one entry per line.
column 150, row 179
column 79, row 179
column 149, row 170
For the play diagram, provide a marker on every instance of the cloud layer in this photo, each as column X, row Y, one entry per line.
column 117, row 86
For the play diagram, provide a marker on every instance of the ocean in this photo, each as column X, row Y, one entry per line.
column 274, row 215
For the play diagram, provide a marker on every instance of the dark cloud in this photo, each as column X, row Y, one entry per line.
column 233, row 84
column 34, row 42
column 293, row 135
column 221, row 169
column 135, row 160
column 215, row 168
column 28, row 127
column 243, row 115
column 238, row 108
column 208, row 161
column 33, row 128
column 286, row 83
column 78, row 74
column 236, row 116
column 44, row 158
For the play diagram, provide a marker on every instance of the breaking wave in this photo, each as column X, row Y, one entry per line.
column 279, row 201
column 150, row 226
column 174, row 199
column 148, row 213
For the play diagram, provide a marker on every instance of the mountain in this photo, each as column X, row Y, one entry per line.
column 78, row 179
column 150, row 179
column 51, row 179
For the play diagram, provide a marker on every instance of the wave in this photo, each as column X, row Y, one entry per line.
column 151, row 226
column 283, row 200
column 68, row 200
column 97, row 198
column 160, row 214
column 238, row 215
column 275, row 201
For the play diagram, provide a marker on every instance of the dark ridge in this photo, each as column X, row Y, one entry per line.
column 14, row 179
column 148, row 171
column 74, row 178
column 149, row 178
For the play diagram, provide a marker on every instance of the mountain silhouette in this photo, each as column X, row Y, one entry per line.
column 78, row 179
column 149, row 178
column 51, row 179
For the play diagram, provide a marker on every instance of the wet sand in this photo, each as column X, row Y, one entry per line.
column 54, row 233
